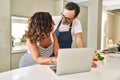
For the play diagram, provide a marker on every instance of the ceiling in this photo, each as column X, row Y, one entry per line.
column 111, row 2
column 112, row 6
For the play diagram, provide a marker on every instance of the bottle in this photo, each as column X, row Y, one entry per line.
column 110, row 42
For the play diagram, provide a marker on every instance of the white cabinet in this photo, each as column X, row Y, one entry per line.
column 15, row 58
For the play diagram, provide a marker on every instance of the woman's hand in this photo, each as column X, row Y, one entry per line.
column 53, row 59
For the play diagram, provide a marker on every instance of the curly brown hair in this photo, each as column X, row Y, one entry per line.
column 39, row 27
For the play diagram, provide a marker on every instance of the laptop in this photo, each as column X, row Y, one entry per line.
column 73, row 60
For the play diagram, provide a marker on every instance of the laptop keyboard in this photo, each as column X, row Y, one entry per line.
column 53, row 67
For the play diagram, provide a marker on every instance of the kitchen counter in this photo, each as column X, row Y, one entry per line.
column 106, row 70
column 18, row 49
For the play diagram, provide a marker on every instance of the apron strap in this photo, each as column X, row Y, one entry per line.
column 60, row 24
column 70, row 26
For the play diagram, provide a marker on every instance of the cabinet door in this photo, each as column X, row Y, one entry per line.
column 15, row 58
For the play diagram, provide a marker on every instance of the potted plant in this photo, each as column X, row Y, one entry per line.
column 22, row 41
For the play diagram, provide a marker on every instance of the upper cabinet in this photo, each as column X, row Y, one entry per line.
column 28, row 7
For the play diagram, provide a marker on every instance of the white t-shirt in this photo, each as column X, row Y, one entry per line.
column 76, row 25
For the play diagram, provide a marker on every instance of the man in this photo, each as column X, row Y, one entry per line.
column 68, row 27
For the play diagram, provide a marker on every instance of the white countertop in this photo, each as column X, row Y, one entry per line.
column 107, row 70
column 18, row 49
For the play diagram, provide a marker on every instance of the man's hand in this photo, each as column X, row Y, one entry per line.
column 94, row 65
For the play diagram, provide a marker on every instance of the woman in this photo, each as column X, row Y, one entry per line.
column 41, row 42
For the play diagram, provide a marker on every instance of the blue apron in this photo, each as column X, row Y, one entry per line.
column 64, row 38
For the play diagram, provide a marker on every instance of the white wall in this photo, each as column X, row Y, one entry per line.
column 5, row 35
column 108, row 29
column 116, row 29
column 113, row 24
column 110, row 24
column 84, row 21
column 59, row 6
column 28, row 7
column 94, row 23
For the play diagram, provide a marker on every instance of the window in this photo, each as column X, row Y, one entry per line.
column 19, row 25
